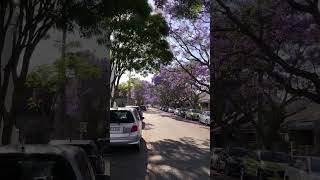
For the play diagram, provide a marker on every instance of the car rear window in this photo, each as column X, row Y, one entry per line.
column 33, row 169
column 121, row 116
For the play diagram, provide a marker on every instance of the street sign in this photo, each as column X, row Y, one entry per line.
column 83, row 127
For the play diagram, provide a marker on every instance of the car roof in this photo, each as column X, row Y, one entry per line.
column 59, row 150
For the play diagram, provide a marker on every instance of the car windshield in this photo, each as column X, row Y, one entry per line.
column 121, row 116
column 315, row 165
column 34, row 169
column 238, row 152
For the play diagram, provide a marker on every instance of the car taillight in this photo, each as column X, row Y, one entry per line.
column 134, row 128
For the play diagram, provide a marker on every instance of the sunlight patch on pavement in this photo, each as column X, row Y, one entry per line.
column 155, row 158
column 167, row 171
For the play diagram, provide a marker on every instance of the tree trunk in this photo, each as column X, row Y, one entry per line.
column 218, row 112
column 116, row 90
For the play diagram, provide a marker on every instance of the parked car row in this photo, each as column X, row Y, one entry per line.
column 264, row 165
column 192, row 114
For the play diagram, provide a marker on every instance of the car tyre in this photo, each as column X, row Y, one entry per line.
column 137, row 147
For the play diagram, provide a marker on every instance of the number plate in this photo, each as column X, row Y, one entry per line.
column 115, row 128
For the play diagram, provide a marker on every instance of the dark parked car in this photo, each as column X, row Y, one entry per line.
column 232, row 160
column 45, row 162
column 90, row 148
column 139, row 110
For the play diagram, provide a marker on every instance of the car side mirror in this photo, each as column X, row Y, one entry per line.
column 101, row 177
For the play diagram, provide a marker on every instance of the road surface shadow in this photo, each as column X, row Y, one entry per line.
column 127, row 164
column 178, row 160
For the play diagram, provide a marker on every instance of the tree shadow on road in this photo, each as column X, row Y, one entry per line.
column 127, row 164
column 179, row 160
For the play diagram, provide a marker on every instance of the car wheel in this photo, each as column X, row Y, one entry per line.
column 137, row 147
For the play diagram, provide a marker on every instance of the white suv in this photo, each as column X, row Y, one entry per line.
column 125, row 127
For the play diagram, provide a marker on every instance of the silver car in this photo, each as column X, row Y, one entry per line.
column 171, row 110
column 176, row 111
column 125, row 127
column 205, row 118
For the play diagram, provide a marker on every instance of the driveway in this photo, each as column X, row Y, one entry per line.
column 173, row 148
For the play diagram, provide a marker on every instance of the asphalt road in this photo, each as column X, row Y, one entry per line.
column 173, row 149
